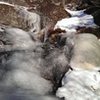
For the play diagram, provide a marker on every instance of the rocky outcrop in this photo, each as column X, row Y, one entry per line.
column 20, row 17
column 53, row 9
column 86, row 51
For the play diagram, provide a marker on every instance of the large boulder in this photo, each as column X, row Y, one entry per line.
column 86, row 51
column 19, row 16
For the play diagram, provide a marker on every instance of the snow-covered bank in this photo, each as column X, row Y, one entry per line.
column 80, row 84
column 79, row 19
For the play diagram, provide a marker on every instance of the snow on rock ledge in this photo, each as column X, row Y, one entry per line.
column 80, row 84
column 78, row 19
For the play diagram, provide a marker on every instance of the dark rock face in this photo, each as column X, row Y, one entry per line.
column 95, row 12
column 95, row 2
column 96, row 16
column 82, row 4
column 96, row 31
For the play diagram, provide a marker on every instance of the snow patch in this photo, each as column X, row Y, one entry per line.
column 78, row 19
column 80, row 84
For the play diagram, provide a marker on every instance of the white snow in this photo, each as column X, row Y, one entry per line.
column 80, row 84
column 78, row 19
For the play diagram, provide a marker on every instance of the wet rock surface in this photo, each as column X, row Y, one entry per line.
column 9, row 17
